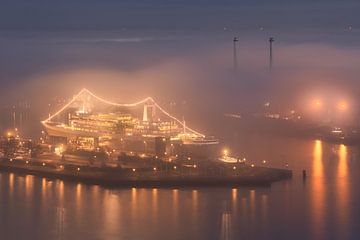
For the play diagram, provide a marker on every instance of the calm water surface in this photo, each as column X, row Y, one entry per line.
column 325, row 206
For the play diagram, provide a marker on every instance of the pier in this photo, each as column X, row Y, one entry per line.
column 165, row 176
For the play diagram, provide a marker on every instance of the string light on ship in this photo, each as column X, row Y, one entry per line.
column 122, row 105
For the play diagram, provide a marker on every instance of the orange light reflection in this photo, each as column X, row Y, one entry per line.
column 318, row 191
column 342, row 190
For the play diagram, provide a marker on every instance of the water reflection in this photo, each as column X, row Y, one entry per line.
column 29, row 181
column 194, row 200
column 175, row 205
column 225, row 226
column 95, row 195
column 78, row 194
column 264, row 207
column 318, row 191
column 60, row 216
column 194, row 203
column 43, row 188
column 133, row 203
column 11, row 184
column 234, row 193
column 252, row 205
column 342, row 167
column 342, row 190
column 112, row 213
column 154, row 208
column 78, row 201
column 61, row 193
column 317, row 159
column 244, row 207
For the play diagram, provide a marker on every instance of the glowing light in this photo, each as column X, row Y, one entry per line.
column 317, row 103
column 78, row 169
column 252, row 165
column 336, row 130
column 43, row 164
column 234, row 167
column 195, row 166
column 59, row 150
column 133, row 169
column 343, row 106
column 27, row 162
column 264, row 161
column 174, row 167
column 154, row 169
column 148, row 99
column 226, row 152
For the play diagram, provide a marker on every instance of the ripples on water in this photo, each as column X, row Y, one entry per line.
column 324, row 206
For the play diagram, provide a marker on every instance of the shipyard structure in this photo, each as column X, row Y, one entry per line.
column 91, row 123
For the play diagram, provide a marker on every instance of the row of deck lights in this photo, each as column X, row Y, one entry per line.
column 61, row 166
column 174, row 167
column 195, row 166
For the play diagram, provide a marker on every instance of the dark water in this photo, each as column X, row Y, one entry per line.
column 325, row 206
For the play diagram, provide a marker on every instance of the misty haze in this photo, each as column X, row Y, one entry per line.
column 179, row 119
